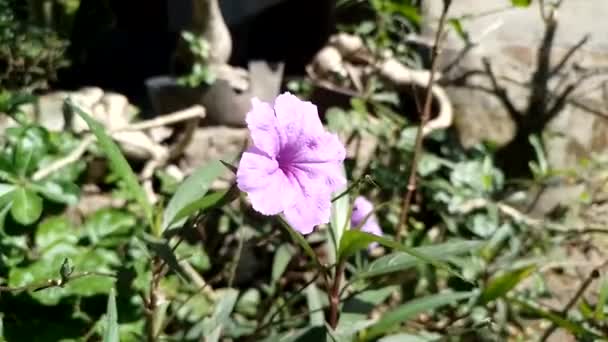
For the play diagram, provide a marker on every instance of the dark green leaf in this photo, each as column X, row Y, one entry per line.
column 111, row 327
column 501, row 285
column 399, row 261
column 27, row 206
column 192, row 190
column 413, row 308
column 118, row 163
column 162, row 249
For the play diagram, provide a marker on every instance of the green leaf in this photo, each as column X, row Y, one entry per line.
column 501, row 285
column 601, row 302
column 521, row 3
column 340, row 216
column 355, row 240
column 27, row 206
column 315, row 304
column 111, row 328
column 457, row 26
column 57, row 191
column 412, row 309
column 298, row 239
column 118, row 163
column 214, row 325
column 569, row 325
column 399, row 261
column 190, row 192
column 30, row 148
column 6, row 193
column 106, row 222
column 54, row 230
column 282, row 257
column 409, row 338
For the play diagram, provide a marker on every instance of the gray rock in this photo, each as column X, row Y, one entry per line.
column 510, row 41
column 212, row 143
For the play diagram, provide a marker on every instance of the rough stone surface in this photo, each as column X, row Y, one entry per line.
column 510, row 40
column 212, row 143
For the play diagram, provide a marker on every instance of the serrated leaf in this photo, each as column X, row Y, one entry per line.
column 26, row 207
column 412, row 309
column 501, row 285
column 192, row 189
column 111, row 331
column 118, row 163
column 399, row 261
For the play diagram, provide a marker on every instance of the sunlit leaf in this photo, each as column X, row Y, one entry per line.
column 521, row 3
column 281, row 259
column 501, row 285
column 213, row 326
column 411, row 309
column 111, row 327
column 340, row 216
column 399, row 261
column 57, row 191
column 315, row 304
column 602, row 301
column 356, row 240
column 118, row 163
column 190, row 191
column 26, row 207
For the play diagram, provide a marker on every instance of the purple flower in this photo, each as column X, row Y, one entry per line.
column 361, row 208
column 294, row 165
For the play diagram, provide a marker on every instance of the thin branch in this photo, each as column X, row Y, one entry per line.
column 72, row 157
column 581, row 290
column 425, row 117
column 182, row 115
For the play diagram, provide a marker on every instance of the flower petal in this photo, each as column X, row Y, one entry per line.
column 296, row 118
column 260, row 177
column 308, row 211
column 321, row 159
column 262, row 124
column 361, row 208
